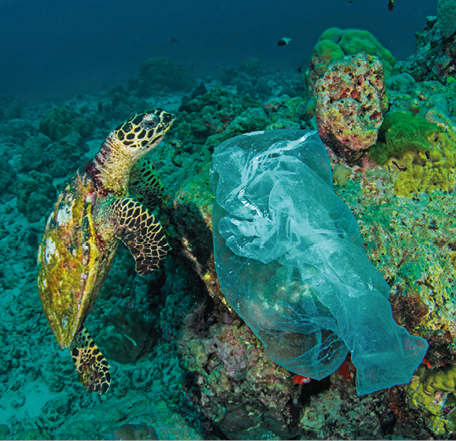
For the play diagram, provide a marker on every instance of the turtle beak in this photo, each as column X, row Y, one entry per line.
column 167, row 118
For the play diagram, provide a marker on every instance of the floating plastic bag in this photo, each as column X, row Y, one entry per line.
column 291, row 263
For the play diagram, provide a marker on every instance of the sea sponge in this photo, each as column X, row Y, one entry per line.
column 341, row 174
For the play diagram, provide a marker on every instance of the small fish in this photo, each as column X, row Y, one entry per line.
column 391, row 5
column 173, row 40
column 283, row 41
column 300, row 69
column 351, row 1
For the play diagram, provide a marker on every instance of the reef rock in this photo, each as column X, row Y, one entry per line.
column 435, row 54
column 351, row 100
column 334, row 44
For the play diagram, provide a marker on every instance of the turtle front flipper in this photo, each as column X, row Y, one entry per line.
column 144, row 184
column 140, row 232
column 91, row 366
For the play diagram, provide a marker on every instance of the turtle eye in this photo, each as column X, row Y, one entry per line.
column 150, row 121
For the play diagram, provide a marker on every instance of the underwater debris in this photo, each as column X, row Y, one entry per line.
column 284, row 244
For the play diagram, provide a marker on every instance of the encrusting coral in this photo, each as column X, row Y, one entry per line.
column 421, row 153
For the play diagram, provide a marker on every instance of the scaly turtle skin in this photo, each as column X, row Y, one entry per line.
column 81, row 237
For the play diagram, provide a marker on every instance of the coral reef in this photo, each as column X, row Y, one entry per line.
column 137, row 413
column 119, row 103
column 135, row 432
column 410, row 240
column 160, row 74
column 350, row 102
column 194, row 344
column 126, row 335
column 446, row 15
column 432, row 391
column 401, row 132
column 214, row 116
column 35, row 196
column 10, row 108
column 55, row 158
column 247, row 394
column 59, row 122
column 7, row 179
column 435, row 54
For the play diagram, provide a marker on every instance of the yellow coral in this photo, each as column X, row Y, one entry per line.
column 432, row 390
column 341, row 174
column 426, row 171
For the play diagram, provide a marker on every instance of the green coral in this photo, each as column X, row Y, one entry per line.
column 423, row 154
column 335, row 43
column 327, row 51
column 400, row 133
column 432, row 390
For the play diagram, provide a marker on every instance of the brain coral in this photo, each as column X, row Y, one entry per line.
column 335, row 43
column 351, row 99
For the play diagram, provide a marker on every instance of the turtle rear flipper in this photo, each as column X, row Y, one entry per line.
column 91, row 366
column 144, row 184
column 141, row 233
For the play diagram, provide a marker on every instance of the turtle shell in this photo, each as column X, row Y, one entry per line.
column 73, row 260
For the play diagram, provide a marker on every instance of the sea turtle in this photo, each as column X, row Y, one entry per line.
column 92, row 213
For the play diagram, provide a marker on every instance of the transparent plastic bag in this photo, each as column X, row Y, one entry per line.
column 291, row 262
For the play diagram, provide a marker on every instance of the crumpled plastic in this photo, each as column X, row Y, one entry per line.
column 291, row 262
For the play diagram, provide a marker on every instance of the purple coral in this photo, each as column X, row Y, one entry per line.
column 351, row 99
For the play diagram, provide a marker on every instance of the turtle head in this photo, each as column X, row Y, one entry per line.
column 143, row 131
column 125, row 145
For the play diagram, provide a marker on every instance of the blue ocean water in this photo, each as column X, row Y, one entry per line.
column 183, row 363
column 57, row 50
